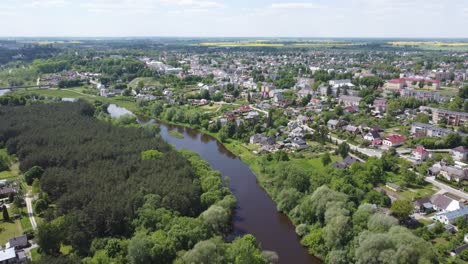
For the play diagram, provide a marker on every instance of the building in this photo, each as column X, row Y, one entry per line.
column 423, row 205
column 453, row 118
column 345, row 83
column 449, row 217
column 299, row 143
column 460, row 153
column 345, row 163
column 333, row 124
column 260, row 139
column 393, row 187
column 428, row 130
column 420, row 153
column 443, row 203
column 380, row 105
column 394, row 141
column 348, row 100
column 423, row 95
column 372, row 135
column 17, row 242
column 412, row 82
column 8, row 256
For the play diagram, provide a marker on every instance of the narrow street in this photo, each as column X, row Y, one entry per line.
column 30, row 212
column 446, row 188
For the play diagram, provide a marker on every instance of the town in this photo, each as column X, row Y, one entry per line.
column 397, row 116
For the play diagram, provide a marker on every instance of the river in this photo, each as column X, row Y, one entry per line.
column 255, row 213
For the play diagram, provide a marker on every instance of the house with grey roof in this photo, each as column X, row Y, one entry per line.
column 450, row 216
column 444, row 203
column 460, row 153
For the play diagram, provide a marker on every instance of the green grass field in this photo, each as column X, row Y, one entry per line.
column 9, row 230
column 127, row 102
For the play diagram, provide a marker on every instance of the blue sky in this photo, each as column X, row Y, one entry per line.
column 228, row 18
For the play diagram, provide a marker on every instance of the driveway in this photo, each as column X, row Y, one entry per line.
column 30, row 212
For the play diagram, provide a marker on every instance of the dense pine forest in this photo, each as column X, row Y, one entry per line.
column 119, row 194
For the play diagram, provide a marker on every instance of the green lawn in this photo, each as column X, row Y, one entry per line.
column 25, row 223
column 35, row 255
column 412, row 193
column 6, row 175
column 127, row 102
column 9, row 230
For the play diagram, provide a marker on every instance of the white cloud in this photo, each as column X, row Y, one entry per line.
column 295, row 6
column 194, row 3
column 44, row 3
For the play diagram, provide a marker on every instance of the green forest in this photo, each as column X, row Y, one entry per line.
column 120, row 194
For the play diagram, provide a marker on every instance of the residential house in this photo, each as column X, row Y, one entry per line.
column 299, row 143
column 6, row 191
column 394, row 141
column 372, row 135
column 420, row 153
column 345, row 163
column 351, row 129
column 380, row 105
column 17, row 242
column 460, row 153
column 276, row 94
column 333, row 124
column 8, row 256
column 423, row 205
column 449, row 217
column 444, row 203
column 260, row 139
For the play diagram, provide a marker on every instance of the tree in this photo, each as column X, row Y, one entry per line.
column 402, row 209
column 288, row 199
column 381, row 223
column 151, row 154
column 6, row 216
column 49, row 237
column 139, row 249
column 244, row 250
column 33, row 173
column 208, row 251
column 343, row 150
column 41, row 206
column 217, row 218
column 326, row 159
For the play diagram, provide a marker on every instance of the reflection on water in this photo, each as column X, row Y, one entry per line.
column 255, row 212
column 117, row 111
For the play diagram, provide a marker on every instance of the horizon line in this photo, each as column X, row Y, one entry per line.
column 268, row 37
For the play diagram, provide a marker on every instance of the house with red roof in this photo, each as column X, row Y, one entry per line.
column 420, row 153
column 394, row 141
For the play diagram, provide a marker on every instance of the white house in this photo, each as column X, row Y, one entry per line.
column 444, row 204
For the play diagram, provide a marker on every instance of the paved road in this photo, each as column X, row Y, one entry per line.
column 30, row 213
column 447, row 188
column 369, row 152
